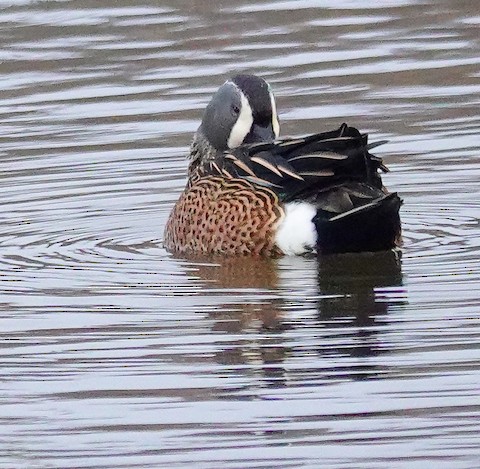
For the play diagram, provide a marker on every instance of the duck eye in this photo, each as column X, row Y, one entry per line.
column 235, row 109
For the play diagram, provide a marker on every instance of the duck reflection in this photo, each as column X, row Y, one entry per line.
column 266, row 302
column 252, row 314
column 355, row 294
column 348, row 284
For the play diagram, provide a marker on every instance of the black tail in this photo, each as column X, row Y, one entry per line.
column 374, row 226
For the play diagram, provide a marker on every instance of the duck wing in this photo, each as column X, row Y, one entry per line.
column 300, row 168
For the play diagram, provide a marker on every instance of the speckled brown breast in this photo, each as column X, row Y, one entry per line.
column 224, row 216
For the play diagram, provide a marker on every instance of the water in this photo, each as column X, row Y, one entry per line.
column 117, row 354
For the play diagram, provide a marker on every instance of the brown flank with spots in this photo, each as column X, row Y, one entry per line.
column 224, row 216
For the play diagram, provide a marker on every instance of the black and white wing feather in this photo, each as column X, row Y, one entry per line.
column 302, row 167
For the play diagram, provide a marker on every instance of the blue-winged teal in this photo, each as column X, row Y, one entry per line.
column 249, row 193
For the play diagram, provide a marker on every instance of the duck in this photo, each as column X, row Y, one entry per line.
column 251, row 193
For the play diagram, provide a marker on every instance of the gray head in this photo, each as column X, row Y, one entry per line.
column 242, row 111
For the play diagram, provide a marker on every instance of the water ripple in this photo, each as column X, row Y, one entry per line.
column 115, row 353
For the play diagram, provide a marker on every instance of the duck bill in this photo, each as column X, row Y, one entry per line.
column 260, row 133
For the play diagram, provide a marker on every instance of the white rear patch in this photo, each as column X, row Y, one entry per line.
column 243, row 125
column 296, row 234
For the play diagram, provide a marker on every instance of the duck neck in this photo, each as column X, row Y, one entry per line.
column 201, row 152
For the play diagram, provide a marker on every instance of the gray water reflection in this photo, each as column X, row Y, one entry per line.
column 115, row 354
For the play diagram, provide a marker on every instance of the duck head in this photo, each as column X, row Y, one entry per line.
column 241, row 111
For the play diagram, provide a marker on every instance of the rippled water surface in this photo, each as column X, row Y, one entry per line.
column 116, row 354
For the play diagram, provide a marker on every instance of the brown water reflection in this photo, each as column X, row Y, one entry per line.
column 115, row 354
column 351, row 300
